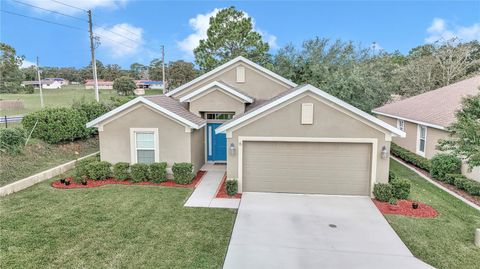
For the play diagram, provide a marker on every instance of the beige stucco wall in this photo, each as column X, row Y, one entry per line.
column 328, row 122
column 216, row 100
column 174, row 142
column 257, row 84
column 198, row 148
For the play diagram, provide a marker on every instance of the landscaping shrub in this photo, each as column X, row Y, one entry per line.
column 410, row 157
column 57, row 125
column 182, row 173
column 450, row 178
column 472, row 187
column 392, row 176
column 81, row 167
column 139, row 172
column 401, row 188
column 460, row 181
column 158, row 172
column 392, row 201
column 231, row 187
column 443, row 164
column 12, row 140
column 383, row 192
column 91, row 110
column 121, row 171
column 99, row 170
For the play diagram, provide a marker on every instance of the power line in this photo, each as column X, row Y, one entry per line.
column 59, row 2
column 113, row 40
column 113, row 32
column 52, row 11
column 43, row 20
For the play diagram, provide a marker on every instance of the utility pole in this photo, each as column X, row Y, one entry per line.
column 163, row 69
column 92, row 49
column 40, row 83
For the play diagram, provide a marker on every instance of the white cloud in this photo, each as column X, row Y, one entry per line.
column 200, row 24
column 116, row 45
column 440, row 30
column 83, row 4
column 26, row 63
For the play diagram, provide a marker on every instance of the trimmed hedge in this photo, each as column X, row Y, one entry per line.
column 392, row 176
column 460, row 181
column 231, row 187
column 12, row 140
column 99, row 170
column 139, row 172
column 450, row 178
column 401, row 188
column 410, row 157
column 443, row 164
column 81, row 168
column 121, row 171
column 383, row 192
column 183, row 173
column 91, row 110
column 158, row 172
column 472, row 187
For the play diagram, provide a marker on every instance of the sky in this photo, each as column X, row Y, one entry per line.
column 134, row 31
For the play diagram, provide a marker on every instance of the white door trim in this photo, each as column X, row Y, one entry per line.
column 419, row 126
column 372, row 141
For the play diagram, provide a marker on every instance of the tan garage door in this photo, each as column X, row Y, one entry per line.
column 306, row 167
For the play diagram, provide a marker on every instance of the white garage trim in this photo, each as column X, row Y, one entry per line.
column 372, row 141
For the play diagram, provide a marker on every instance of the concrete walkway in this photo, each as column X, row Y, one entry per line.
column 204, row 193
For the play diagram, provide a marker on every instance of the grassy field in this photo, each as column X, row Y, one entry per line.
column 110, row 227
column 445, row 241
column 39, row 156
column 58, row 97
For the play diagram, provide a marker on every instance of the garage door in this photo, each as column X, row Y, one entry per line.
column 306, row 167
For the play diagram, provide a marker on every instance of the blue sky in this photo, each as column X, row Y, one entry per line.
column 180, row 24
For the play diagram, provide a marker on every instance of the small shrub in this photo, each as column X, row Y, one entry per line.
column 231, row 187
column 401, row 188
column 392, row 176
column 121, row 171
column 450, row 178
column 99, row 170
column 392, row 201
column 443, row 164
column 410, row 157
column 158, row 172
column 12, row 140
column 81, row 168
column 460, row 181
column 383, row 192
column 139, row 172
column 472, row 187
column 182, row 173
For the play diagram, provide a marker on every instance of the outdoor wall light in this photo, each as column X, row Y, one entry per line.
column 384, row 152
column 231, row 149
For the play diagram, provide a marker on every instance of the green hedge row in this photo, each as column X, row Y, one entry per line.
column 410, row 157
column 397, row 189
column 183, row 173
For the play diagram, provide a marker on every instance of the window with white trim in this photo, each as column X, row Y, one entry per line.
column 401, row 125
column 422, row 139
column 144, row 145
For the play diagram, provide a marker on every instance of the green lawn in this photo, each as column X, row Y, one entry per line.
column 445, row 241
column 112, row 226
column 39, row 156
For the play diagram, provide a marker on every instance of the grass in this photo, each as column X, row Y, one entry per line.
column 445, row 241
column 110, row 227
column 57, row 97
column 38, row 156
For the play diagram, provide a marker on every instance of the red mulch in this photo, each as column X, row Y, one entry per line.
column 97, row 183
column 404, row 207
column 222, row 191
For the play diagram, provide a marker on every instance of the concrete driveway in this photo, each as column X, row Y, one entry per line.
column 314, row 231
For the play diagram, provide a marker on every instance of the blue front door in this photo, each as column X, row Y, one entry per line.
column 216, row 144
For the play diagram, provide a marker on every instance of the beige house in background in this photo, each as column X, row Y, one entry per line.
column 425, row 118
column 272, row 135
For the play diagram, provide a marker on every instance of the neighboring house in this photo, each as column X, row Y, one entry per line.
column 425, row 117
column 273, row 135
column 46, row 84
column 62, row 81
column 102, row 84
column 149, row 84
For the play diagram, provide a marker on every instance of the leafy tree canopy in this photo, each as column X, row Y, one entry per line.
column 10, row 74
column 124, row 85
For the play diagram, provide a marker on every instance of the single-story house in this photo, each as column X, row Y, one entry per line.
column 62, row 81
column 102, row 84
column 272, row 134
column 148, row 84
column 46, row 84
column 425, row 117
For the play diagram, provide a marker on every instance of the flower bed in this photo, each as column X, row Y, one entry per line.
column 222, row 192
column 404, row 208
column 97, row 183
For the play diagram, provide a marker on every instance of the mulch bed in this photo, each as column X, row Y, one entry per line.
column 404, row 208
column 222, row 191
column 97, row 183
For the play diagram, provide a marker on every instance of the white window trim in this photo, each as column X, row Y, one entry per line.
column 418, row 140
column 133, row 147
column 401, row 124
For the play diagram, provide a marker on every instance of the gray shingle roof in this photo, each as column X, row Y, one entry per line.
column 175, row 107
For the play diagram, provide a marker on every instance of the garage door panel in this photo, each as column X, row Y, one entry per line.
column 306, row 167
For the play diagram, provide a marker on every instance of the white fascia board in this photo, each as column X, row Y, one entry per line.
column 321, row 93
column 413, row 121
column 226, row 65
column 222, row 86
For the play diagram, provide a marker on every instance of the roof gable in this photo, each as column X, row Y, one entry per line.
column 244, row 97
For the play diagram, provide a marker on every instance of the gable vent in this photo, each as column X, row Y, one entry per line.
column 240, row 74
column 307, row 113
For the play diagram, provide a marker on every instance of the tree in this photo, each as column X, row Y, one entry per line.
column 229, row 35
column 138, row 71
column 10, row 75
column 465, row 133
column 179, row 72
column 155, row 71
column 124, row 85
column 112, row 72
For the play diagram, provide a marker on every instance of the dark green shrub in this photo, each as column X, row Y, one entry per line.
column 460, row 181
column 28, row 89
column 81, row 168
column 57, row 125
column 99, row 170
column 182, row 173
column 401, row 188
column 139, row 172
column 231, row 187
column 91, row 110
column 392, row 201
column 443, row 164
column 472, row 187
column 450, row 178
column 392, row 176
column 12, row 140
column 121, row 171
column 158, row 172
column 410, row 157
column 383, row 192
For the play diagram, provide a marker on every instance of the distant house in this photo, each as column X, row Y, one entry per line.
column 102, row 84
column 149, row 84
column 46, row 84
column 62, row 81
